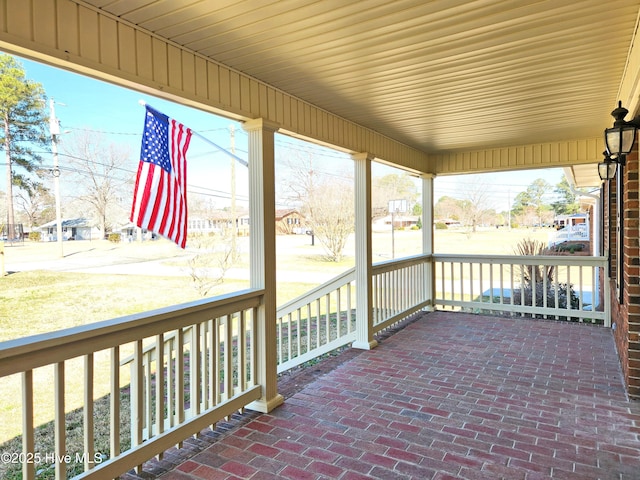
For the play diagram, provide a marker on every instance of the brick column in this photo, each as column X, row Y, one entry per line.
column 631, row 274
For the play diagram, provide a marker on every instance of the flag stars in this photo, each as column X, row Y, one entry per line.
column 154, row 150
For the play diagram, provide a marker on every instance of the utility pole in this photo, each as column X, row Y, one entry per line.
column 509, row 207
column 54, row 130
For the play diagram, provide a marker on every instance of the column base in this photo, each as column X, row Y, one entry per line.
column 364, row 345
column 264, row 406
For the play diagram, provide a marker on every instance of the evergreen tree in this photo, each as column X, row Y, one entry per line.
column 23, row 120
column 567, row 203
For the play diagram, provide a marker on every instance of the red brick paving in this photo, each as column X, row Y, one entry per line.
column 450, row 396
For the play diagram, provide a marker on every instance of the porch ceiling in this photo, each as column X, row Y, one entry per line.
column 441, row 76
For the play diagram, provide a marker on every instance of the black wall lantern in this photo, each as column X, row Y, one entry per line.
column 619, row 140
column 607, row 169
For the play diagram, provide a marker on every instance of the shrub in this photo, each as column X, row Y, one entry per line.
column 571, row 248
column 114, row 237
column 536, row 277
column 35, row 236
column 441, row 226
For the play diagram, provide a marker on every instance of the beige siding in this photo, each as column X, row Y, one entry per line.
column 63, row 33
column 548, row 155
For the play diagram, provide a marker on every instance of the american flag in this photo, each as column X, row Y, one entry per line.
column 160, row 195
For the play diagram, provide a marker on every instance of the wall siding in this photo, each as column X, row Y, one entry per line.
column 550, row 155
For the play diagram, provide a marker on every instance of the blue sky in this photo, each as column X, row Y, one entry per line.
column 85, row 103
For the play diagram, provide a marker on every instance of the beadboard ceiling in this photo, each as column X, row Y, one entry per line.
column 441, row 76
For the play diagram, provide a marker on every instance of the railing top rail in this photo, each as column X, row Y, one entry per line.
column 44, row 349
column 343, row 279
column 523, row 259
column 317, row 292
column 393, row 264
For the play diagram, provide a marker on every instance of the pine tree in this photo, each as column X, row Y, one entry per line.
column 23, row 121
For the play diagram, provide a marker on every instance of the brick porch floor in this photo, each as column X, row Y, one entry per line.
column 448, row 396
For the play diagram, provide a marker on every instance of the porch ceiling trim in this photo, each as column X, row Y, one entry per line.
column 543, row 155
column 82, row 38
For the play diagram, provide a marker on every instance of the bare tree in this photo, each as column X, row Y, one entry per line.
column 101, row 175
column 209, row 266
column 477, row 205
column 325, row 198
column 37, row 203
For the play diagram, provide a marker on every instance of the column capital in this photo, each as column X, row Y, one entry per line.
column 260, row 124
column 363, row 156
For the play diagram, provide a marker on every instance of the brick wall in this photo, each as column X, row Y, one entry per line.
column 632, row 269
column 625, row 314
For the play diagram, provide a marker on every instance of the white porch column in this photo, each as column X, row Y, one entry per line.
column 364, row 255
column 263, row 255
column 427, row 235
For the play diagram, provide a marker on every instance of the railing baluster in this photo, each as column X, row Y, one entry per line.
column 28, row 441
column 160, row 403
column 148, row 397
column 339, row 312
column 289, row 338
column 491, row 283
column 204, row 365
column 581, row 290
column 545, row 287
column 462, row 281
column 171, row 382
column 254, row 350
column 228, row 358
column 279, row 334
column 298, row 331
column 219, row 361
column 137, row 403
column 59, row 420
column 481, row 293
column 327, row 316
column 242, row 349
column 568, row 301
column 114, row 404
column 453, row 288
column 470, row 281
column 89, row 437
column 349, row 328
column 195, row 378
column 318, row 322
column 501, row 267
column 179, row 383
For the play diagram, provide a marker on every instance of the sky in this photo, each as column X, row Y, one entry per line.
column 83, row 103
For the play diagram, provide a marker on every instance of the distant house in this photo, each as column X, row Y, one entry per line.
column 289, row 221
column 72, row 229
column 385, row 223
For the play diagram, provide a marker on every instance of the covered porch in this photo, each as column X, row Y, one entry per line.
column 442, row 88
column 446, row 395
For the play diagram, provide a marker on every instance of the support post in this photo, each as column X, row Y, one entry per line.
column 263, row 256
column 364, row 255
column 427, row 237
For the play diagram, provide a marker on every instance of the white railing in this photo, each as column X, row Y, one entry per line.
column 400, row 288
column 316, row 323
column 323, row 319
column 189, row 366
column 555, row 286
column 568, row 234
